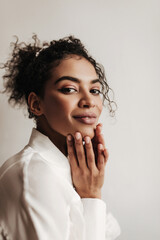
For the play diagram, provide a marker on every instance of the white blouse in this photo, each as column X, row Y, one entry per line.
column 38, row 200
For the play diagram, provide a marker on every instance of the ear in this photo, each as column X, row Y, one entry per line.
column 34, row 103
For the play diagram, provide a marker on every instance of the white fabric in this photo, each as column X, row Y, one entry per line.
column 38, row 200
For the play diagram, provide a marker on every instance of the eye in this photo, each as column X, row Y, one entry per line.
column 95, row 91
column 67, row 90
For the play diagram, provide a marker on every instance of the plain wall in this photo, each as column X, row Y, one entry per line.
column 124, row 36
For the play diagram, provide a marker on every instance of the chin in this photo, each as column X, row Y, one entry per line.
column 87, row 131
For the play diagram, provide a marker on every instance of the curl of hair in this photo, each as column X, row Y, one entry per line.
column 30, row 66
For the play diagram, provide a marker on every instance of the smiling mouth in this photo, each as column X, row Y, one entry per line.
column 86, row 120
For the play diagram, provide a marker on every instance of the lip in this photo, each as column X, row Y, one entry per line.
column 86, row 118
column 90, row 115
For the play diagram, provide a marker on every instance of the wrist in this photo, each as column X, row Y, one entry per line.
column 94, row 195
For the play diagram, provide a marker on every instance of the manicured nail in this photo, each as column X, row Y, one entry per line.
column 87, row 139
column 77, row 135
column 100, row 127
column 69, row 137
column 100, row 146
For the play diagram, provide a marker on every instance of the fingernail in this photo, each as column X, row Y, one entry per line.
column 87, row 139
column 77, row 135
column 100, row 146
column 69, row 137
column 99, row 127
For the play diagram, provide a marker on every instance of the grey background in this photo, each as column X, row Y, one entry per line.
column 124, row 36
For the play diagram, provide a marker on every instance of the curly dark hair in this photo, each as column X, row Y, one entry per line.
column 31, row 65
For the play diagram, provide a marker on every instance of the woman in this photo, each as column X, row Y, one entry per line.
column 52, row 188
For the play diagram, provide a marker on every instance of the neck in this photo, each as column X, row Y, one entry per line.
column 57, row 139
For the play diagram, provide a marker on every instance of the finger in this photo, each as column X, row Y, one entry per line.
column 101, row 161
column 71, row 153
column 98, row 128
column 97, row 132
column 106, row 155
column 80, row 151
column 100, row 139
column 89, row 153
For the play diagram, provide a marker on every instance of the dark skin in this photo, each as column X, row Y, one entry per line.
column 87, row 161
column 60, row 140
column 56, row 110
column 88, row 164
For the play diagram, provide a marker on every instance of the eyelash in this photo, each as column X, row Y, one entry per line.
column 65, row 91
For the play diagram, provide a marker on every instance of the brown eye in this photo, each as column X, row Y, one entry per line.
column 67, row 90
column 95, row 91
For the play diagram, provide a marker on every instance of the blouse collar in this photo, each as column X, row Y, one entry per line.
column 43, row 145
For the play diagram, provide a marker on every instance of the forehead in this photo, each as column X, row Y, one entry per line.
column 75, row 66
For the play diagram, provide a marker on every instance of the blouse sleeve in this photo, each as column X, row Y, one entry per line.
column 54, row 216
column 105, row 225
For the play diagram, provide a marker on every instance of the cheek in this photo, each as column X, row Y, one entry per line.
column 57, row 107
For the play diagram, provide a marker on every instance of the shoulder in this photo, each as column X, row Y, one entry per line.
column 24, row 167
column 15, row 162
column 42, row 179
column 28, row 174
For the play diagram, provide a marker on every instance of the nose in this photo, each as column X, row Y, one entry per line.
column 86, row 101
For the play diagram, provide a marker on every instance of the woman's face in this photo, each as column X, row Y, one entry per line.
column 71, row 95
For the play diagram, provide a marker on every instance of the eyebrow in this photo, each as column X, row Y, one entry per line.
column 73, row 79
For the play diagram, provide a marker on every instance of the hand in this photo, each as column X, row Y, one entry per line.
column 87, row 176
